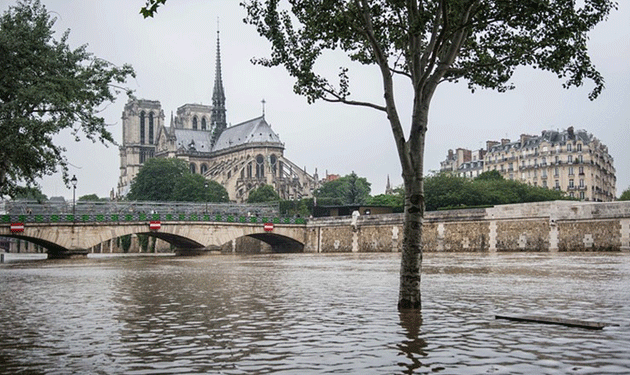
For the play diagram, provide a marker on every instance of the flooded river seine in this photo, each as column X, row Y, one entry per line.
column 313, row 314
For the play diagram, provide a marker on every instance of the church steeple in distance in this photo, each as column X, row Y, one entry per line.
column 217, row 118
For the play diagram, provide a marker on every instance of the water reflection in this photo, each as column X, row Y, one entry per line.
column 413, row 346
column 308, row 313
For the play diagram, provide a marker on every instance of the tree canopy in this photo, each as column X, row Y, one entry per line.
column 444, row 190
column 45, row 87
column 625, row 196
column 349, row 189
column 170, row 179
column 264, row 193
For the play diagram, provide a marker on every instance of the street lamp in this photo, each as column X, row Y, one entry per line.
column 74, row 189
column 205, row 185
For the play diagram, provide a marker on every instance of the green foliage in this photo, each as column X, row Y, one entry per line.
column 264, row 193
column 46, row 87
column 396, row 201
column 448, row 191
column 30, row 193
column 143, row 242
column 192, row 188
column 170, row 179
column 301, row 208
column 90, row 197
column 490, row 176
column 216, row 192
column 349, row 189
column 125, row 242
column 625, row 196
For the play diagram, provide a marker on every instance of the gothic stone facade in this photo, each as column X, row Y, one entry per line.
column 241, row 157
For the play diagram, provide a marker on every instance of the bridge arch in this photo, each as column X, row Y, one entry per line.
column 198, row 235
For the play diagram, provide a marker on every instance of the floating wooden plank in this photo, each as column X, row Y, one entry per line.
column 557, row 321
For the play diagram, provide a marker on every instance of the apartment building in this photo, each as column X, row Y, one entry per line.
column 572, row 161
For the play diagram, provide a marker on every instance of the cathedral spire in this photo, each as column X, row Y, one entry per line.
column 217, row 117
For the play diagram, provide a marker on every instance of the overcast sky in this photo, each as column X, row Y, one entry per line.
column 174, row 58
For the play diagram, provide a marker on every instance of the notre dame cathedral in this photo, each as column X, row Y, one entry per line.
column 241, row 157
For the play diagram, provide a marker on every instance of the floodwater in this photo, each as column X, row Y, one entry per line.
column 313, row 314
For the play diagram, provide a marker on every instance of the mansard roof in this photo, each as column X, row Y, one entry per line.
column 192, row 140
column 550, row 136
column 256, row 130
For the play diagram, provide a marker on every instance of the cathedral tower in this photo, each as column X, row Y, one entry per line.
column 218, row 99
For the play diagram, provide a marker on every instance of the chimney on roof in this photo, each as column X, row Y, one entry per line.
column 570, row 132
column 490, row 144
column 504, row 141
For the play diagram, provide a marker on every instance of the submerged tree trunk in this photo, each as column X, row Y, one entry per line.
column 409, row 296
column 412, row 161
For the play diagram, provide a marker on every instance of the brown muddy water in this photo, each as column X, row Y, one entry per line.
column 313, row 314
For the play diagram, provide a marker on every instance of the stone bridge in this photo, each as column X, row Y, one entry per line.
column 64, row 240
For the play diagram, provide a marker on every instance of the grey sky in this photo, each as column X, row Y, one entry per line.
column 174, row 58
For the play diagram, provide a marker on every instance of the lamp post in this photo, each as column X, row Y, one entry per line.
column 205, row 185
column 74, row 189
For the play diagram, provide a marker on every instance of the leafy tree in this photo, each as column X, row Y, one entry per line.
column 625, row 196
column 490, row 176
column 195, row 188
column 45, row 87
column 426, row 43
column 448, row 191
column 396, row 201
column 349, row 189
column 264, row 193
column 216, row 192
column 169, row 179
column 156, row 179
column 30, row 193
column 90, row 197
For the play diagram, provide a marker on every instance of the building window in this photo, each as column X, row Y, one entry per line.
column 260, row 166
column 572, row 194
column 142, row 116
column 556, row 172
column 204, row 168
column 557, row 184
column 151, row 128
column 571, row 184
column 581, row 182
column 195, row 123
column 569, row 147
column 582, row 195
column 203, row 123
column 579, row 147
column 193, row 168
column 570, row 171
column 249, row 170
column 581, row 159
column 544, row 183
column 274, row 165
column 570, row 159
column 557, row 159
column 581, row 170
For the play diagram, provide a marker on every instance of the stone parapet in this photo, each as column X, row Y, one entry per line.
column 539, row 226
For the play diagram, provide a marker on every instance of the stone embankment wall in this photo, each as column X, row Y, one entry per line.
column 544, row 226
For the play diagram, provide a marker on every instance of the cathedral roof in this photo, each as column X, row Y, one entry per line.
column 253, row 131
column 193, row 140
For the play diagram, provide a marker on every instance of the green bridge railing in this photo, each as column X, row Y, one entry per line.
column 135, row 217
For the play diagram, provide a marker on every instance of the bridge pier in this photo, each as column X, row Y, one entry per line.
column 67, row 254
